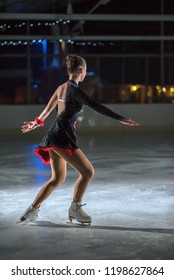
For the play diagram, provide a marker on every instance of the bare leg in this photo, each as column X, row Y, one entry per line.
column 58, row 169
column 79, row 162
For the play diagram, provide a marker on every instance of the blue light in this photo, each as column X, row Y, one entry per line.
column 42, row 173
column 35, row 86
column 90, row 73
column 44, row 44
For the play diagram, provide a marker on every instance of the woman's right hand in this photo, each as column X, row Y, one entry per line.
column 28, row 126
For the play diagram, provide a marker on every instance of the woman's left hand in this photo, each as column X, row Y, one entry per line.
column 129, row 122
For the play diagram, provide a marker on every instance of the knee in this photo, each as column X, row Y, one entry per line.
column 55, row 182
column 88, row 173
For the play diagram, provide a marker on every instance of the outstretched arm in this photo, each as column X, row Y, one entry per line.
column 28, row 126
column 104, row 110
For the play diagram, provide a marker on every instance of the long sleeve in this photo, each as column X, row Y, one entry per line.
column 97, row 106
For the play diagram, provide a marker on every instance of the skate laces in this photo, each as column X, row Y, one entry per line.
column 80, row 209
column 81, row 205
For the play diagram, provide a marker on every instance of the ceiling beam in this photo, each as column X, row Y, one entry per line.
column 87, row 38
column 89, row 17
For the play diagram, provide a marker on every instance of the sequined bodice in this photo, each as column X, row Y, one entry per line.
column 74, row 102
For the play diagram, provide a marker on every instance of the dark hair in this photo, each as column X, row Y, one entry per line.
column 73, row 62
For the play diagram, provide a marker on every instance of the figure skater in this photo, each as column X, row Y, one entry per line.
column 59, row 145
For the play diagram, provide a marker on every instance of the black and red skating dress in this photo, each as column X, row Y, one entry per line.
column 62, row 134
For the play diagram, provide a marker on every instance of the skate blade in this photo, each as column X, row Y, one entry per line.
column 71, row 219
column 24, row 222
column 77, row 223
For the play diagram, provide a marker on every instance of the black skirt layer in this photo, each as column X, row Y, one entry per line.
column 61, row 136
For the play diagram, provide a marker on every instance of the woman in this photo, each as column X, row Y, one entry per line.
column 59, row 145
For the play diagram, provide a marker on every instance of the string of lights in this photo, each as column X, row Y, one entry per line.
column 6, row 26
column 70, row 42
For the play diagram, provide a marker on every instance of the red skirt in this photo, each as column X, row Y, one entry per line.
column 43, row 154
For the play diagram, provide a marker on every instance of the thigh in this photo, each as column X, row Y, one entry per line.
column 58, row 165
column 78, row 160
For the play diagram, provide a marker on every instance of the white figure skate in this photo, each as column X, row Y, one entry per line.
column 30, row 214
column 76, row 212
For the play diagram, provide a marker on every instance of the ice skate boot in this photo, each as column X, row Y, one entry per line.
column 76, row 212
column 31, row 214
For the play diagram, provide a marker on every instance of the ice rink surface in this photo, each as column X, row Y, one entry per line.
column 131, row 200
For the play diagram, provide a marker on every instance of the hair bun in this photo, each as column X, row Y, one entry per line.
column 73, row 63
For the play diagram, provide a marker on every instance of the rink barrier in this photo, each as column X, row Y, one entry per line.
column 150, row 117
